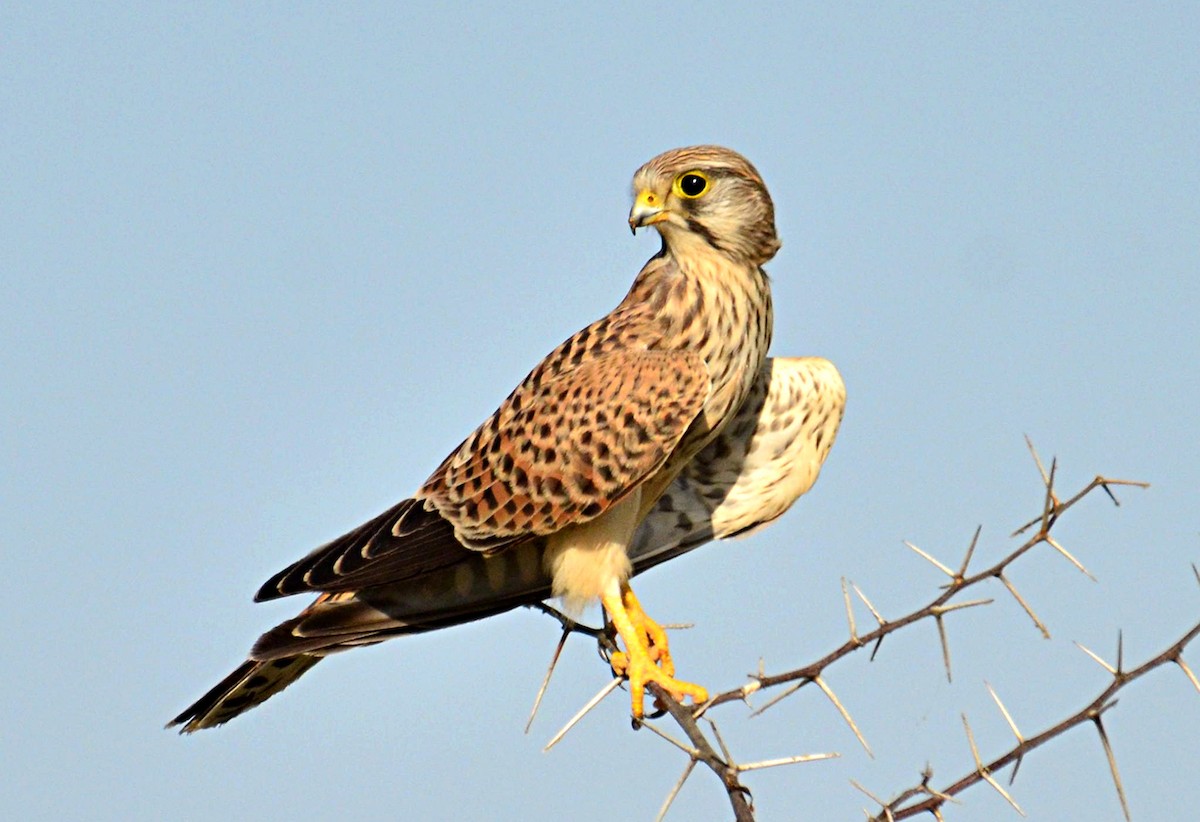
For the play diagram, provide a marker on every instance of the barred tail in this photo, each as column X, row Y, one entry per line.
column 252, row 683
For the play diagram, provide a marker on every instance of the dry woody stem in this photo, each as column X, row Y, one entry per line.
column 705, row 746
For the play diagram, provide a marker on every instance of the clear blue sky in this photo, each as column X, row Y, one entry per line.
column 261, row 268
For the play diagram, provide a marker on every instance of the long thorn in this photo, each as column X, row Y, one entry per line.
column 928, row 558
column 591, row 703
column 868, row 794
column 770, row 703
column 666, row 806
column 1013, row 727
column 849, row 612
column 1188, row 672
column 1112, row 766
column 962, row 571
column 537, row 702
column 1097, row 658
column 845, row 714
column 958, row 606
column 687, row 749
column 786, row 760
column 1038, row 460
column 1051, row 505
column 941, row 626
column 878, row 617
column 1054, row 544
column 721, row 741
column 984, row 773
column 1041, row 626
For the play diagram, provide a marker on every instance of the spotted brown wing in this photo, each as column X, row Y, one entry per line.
column 558, row 452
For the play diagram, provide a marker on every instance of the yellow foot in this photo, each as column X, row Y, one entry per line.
column 646, row 657
column 656, row 637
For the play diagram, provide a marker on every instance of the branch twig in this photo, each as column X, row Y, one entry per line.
column 921, row 798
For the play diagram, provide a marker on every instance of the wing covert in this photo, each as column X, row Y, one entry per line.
column 563, row 451
column 557, row 452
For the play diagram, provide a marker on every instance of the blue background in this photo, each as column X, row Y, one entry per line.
column 263, row 266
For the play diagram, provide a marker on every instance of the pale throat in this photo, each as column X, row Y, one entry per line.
column 688, row 248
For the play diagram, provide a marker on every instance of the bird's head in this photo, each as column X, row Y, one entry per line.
column 708, row 195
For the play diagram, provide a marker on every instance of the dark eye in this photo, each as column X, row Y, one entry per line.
column 693, row 184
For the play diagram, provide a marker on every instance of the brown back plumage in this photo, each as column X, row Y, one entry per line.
column 631, row 402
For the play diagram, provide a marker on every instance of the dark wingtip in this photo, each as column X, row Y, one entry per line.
column 188, row 729
column 326, row 568
column 250, row 684
column 271, row 588
column 193, row 717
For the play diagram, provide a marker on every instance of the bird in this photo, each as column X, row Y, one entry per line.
column 653, row 430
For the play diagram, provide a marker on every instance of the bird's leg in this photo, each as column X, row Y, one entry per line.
column 656, row 636
column 646, row 658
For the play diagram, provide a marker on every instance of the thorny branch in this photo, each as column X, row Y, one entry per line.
column 922, row 798
column 932, row 801
column 726, row 771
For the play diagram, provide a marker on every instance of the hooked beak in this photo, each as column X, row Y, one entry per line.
column 647, row 209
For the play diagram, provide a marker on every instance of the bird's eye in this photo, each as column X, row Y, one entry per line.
column 691, row 185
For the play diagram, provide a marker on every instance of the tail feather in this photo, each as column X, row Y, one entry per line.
column 250, row 684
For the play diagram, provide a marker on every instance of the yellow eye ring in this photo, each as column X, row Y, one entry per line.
column 691, row 185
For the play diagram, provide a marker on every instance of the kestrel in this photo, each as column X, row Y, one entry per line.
column 657, row 428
